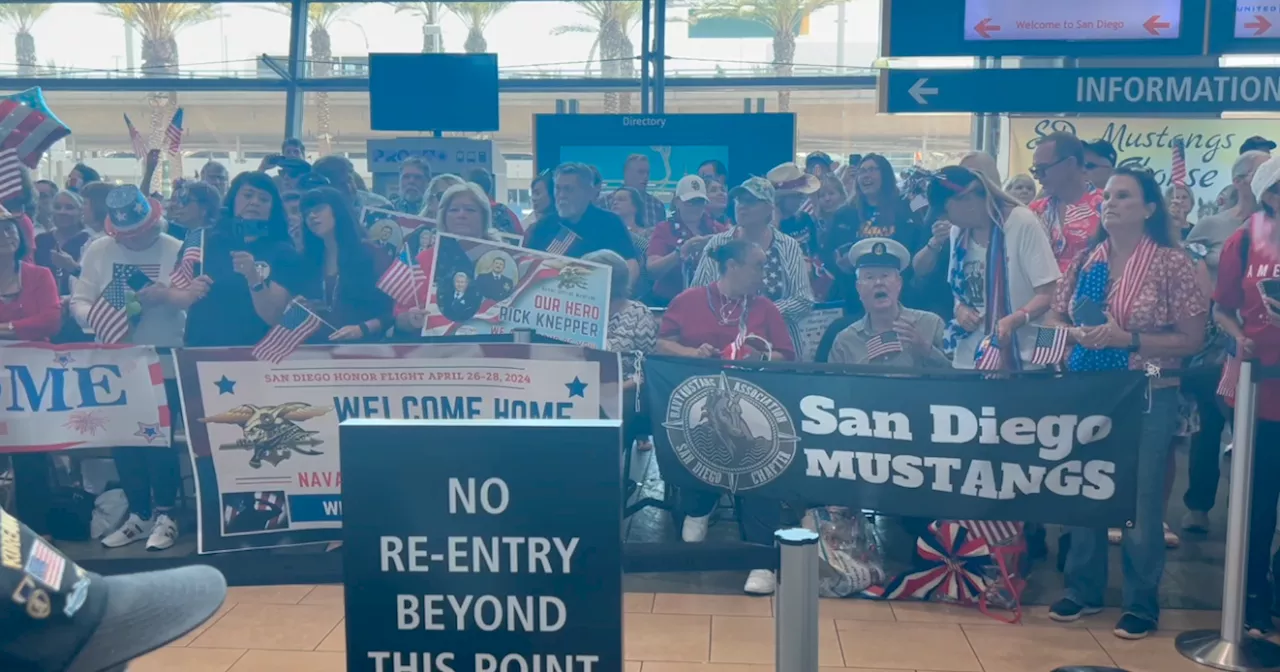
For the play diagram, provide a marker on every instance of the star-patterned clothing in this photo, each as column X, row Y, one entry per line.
column 786, row 276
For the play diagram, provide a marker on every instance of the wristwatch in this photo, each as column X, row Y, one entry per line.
column 258, row 287
column 1136, row 344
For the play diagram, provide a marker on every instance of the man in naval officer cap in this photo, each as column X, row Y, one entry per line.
column 888, row 333
column 56, row 617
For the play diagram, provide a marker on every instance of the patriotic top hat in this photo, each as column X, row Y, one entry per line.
column 130, row 212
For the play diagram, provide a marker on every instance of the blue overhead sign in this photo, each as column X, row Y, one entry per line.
column 1117, row 91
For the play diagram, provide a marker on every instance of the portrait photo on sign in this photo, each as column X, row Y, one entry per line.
column 253, row 512
column 392, row 231
column 486, row 287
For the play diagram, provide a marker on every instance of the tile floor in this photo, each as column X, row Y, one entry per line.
column 287, row 628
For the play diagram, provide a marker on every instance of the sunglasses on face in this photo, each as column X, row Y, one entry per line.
column 1040, row 169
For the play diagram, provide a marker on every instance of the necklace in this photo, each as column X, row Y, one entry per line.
column 729, row 311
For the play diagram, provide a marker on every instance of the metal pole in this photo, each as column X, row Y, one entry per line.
column 646, row 56
column 660, row 56
column 795, row 620
column 1228, row 648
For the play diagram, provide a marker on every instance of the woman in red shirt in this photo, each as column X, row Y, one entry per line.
column 1248, row 267
column 705, row 322
column 30, row 309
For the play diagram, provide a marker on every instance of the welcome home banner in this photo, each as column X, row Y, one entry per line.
column 1036, row 449
column 264, row 439
column 82, row 395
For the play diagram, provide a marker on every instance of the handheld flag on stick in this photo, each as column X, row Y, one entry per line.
column 1178, row 175
column 401, row 280
column 1051, row 346
column 883, row 344
column 190, row 260
column 297, row 324
column 173, row 134
column 135, row 138
column 108, row 316
column 988, row 356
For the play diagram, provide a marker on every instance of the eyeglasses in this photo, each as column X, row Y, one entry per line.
column 1040, row 169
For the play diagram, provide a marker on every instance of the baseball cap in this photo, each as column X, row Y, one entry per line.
column 690, row 187
column 757, row 188
column 1257, row 143
column 60, row 618
column 1265, row 177
column 1102, row 148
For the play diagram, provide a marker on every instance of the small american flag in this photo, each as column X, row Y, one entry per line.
column 10, row 174
column 173, row 134
column 1179, row 173
column 107, row 316
column 993, row 531
column 297, row 324
column 139, row 144
column 987, row 357
column 1051, row 346
column 883, row 344
column 189, row 260
column 562, row 242
column 401, row 281
column 45, row 565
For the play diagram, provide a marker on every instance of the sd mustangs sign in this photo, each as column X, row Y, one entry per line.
column 1035, row 449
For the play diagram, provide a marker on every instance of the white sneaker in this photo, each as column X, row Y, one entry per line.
column 134, row 529
column 163, row 533
column 760, row 582
column 695, row 528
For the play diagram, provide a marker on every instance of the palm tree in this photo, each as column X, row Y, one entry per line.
column 21, row 17
column 159, row 24
column 430, row 13
column 611, row 23
column 320, row 17
column 476, row 16
column 783, row 17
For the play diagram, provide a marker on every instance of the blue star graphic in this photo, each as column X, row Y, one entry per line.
column 149, row 432
column 577, row 388
column 63, row 359
column 225, row 385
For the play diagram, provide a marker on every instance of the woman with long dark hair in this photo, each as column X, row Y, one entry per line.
column 333, row 242
column 251, row 270
column 542, row 198
column 875, row 210
column 1130, row 300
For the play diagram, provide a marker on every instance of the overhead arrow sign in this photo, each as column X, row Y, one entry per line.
column 1257, row 27
column 984, row 28
column 1111, row 91
column 919, row 90
column 1154, row 25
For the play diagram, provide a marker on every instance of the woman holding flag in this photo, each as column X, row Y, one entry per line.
column 249, row 271
column 1002, row 272
column 1130, row 300
column 349, row 265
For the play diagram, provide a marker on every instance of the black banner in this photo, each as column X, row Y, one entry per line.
column 1032, row 448
column 482, row 546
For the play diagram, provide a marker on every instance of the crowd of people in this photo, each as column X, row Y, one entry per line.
column 952, row 268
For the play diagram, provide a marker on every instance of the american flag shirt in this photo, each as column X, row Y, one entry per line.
column 103, row 260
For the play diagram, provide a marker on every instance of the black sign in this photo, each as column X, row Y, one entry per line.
column 1036, row 448
column 479, row 546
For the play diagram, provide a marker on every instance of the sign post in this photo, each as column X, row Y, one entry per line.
column 482, row 546
column 1103, row 91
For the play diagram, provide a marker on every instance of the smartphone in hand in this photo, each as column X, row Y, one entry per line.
column 1088, row 313
column 138, row 280
column 1270, row 288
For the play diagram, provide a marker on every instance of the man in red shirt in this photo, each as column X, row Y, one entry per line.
column 676, row 245
column 1071, row 208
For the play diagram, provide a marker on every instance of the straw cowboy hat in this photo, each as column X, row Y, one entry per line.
column 789, row 178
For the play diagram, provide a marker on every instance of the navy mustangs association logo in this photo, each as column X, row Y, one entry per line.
column 729, row 433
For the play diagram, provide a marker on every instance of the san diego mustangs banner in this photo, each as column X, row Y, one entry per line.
column 264, row 439
column 56, row 397
column 1036, row 449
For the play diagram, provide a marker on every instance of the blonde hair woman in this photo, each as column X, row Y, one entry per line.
column 983, row 164
column 1022, row 188
column 1002, row 270
column 435, row 190
column 1179, row 201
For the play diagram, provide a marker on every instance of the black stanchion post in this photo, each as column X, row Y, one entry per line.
column 795, row 619
column 1229, row 648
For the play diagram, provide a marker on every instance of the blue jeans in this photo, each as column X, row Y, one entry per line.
column 1142, row 550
